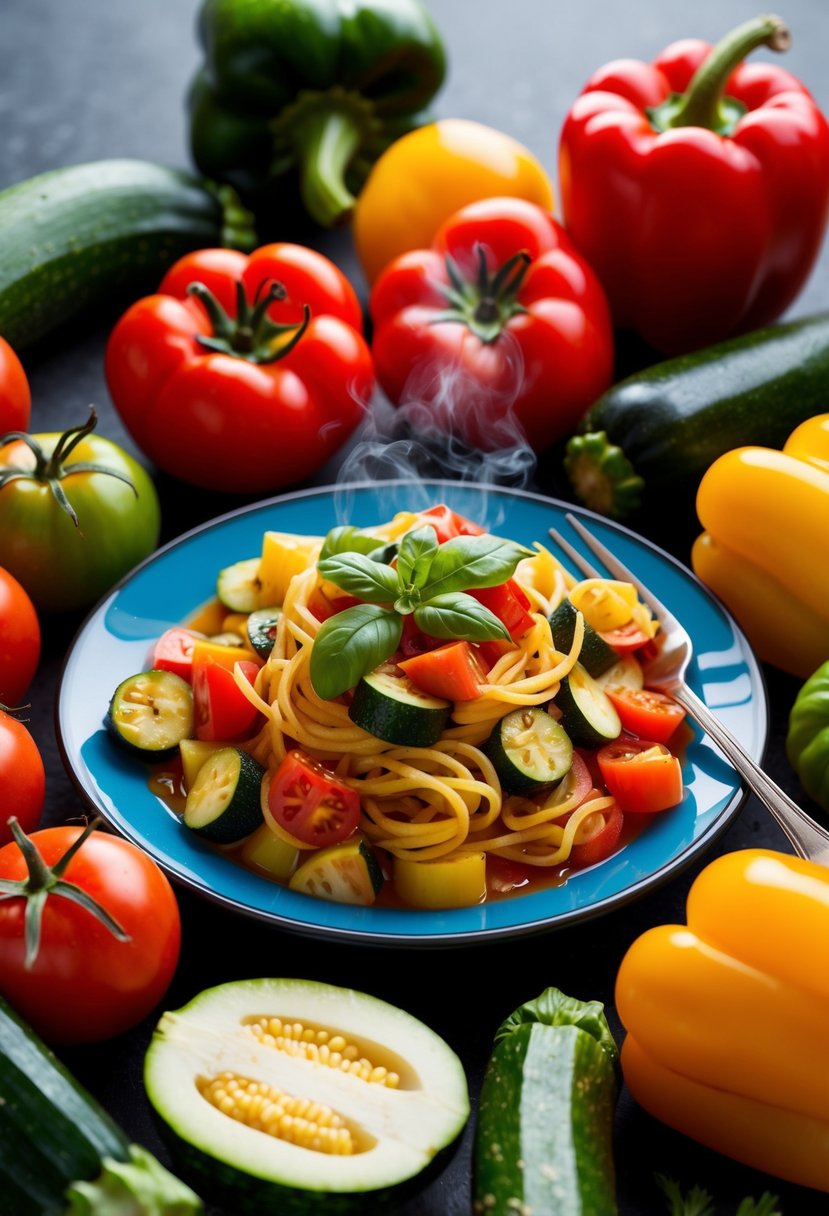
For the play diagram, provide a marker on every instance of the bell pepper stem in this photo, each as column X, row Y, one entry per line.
column 326, row 139
column 702, row 103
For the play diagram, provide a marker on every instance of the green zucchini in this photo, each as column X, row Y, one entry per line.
column 261, row 629
column 57, row 1146
column 587, row 713
column 151, row 713
column 543, row 1140
column 393, row 709
column 529, row 750
column 238, row 586
column 346, row 873
column 595, row 656
column 72, row 237
column 646, row 443
column 223, row 804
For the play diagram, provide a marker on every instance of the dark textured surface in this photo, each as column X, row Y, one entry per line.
column 91, row 79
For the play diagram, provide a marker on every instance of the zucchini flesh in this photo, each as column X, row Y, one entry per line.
column 72, row 237
column 543, row 1141
column 223, row 803
column 345, row 874
column 151, row 713
column 530, row 750
column 587, row 714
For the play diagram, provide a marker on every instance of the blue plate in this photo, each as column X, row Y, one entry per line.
column 114, row 641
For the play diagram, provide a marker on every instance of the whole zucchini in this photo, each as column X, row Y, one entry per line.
column 647, row 441
column 543, row 1140
column 71, row 237
column 60, row 1153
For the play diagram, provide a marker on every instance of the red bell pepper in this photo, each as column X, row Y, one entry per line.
column 500, row 333
column 242, row 374
column 697, row 187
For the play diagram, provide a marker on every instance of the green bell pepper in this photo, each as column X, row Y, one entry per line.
column 302, row 96
column 807, row 740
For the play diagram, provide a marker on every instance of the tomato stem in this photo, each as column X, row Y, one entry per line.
column 43, row 881
column 487, row 303
column 251, row 335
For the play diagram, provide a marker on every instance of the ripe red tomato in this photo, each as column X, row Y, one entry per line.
column 451, row 671
column 85, row 985
column 15, row 398
column 643, row 776
column 597, row 837
column 310, row 803
column 215, row 393
column 646, row 713
column 22, row 777
column 501, row 332
column 19, row 640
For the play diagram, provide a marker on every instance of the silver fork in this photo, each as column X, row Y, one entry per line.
column 666, row 673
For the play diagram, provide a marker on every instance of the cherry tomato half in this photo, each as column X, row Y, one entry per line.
column 451, row 671
column 19, row 640
column 597, row 837
column 220, row 707
column 643, row 776
column 310, row 803
column 22, row 777
column 646, row 713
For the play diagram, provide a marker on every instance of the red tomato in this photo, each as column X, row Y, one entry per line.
column 22, row 777
column 509, row 603
column 414, row 641
column 15, row 398
column 449, row 524
column 85, row 984
column 310, row 802
column 220, row 708
column 504, row 357
column 226, row 402
column 174, row 652
column 626, row 639
column 602, row 830
column 643, row 776
column 19, row 640
column 504, row 875
column 646, row 713
column 451, row 671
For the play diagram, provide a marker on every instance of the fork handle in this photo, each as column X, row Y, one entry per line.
column 807, row 838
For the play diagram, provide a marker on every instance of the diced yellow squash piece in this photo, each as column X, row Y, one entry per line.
column 284, row 555
column 457, row 881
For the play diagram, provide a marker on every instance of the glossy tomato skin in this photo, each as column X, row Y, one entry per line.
column 226, row 422
column 64, row 567
column 15, row 397
column 19, row 640
column 22, row 777
column 551, row 359
column 311, row 804
column 85, row 985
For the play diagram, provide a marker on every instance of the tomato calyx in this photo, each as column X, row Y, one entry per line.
column 43, row 881
column 51, row 467
column 487, row 303
column 251, row 334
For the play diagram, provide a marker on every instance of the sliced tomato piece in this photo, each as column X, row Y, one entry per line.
column 451, row 671
column 504, row 875
column 509, row 603
column 323, row 608
column 448, row 524
column 220, row 708
column 643, row 776
column 311, row 803
column 626, row 639
column 597, row 837
column 645, row 712
column 174, row 652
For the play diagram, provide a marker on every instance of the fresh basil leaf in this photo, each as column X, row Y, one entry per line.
column 385, row 554
column 417, row 552
column 350, row 645
column 348, row 539
column 459, row 616
column 358, row 575
column 472, row 561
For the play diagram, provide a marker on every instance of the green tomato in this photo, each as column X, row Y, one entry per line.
column 76, row 513
column 807, row 741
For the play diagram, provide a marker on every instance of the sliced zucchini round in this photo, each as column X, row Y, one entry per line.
column 239, row 586
column 261, row 629
column 530, row 750
column 626, row 672
column 587, row 713
column 347, row 873
column 151, row 712
column 223, row 802
column 400, row 1105
column 595, row 655
column 392, row 708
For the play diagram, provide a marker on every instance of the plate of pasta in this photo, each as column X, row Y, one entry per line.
column 389, row 712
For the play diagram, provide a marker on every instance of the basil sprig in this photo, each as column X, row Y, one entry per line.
column 427, row 583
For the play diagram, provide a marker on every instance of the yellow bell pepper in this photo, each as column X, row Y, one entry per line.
column 766, row 520
column 727, row 1018
column 428, row 175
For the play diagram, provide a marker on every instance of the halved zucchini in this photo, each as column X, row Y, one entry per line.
column 530, row 750
column 391, row 708
column 223, row 802
column 626, row 672
column 261, row 629
column 346, row 873
column 595, row 655
column 587, row 714
column 359, row 1102
column 151, row 712
column 239, row 586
